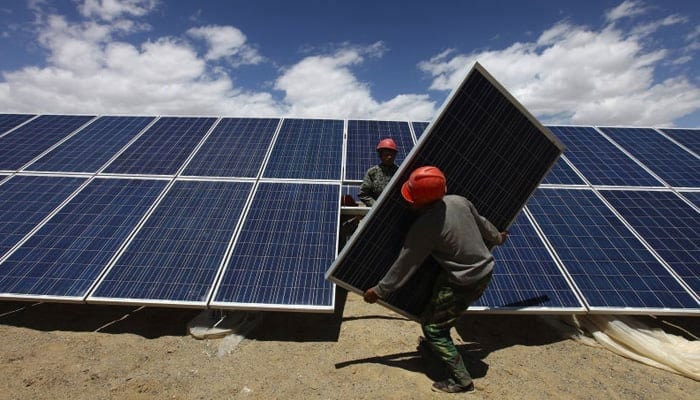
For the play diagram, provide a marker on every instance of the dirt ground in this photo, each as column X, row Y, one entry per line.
column 66, row 351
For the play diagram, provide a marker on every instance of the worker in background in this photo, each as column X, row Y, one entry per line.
column 377, row 177
column 450, row 229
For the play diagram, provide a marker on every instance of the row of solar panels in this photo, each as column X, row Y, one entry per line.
column 217, row 236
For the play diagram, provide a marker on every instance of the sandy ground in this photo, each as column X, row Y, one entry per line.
column 62, row 351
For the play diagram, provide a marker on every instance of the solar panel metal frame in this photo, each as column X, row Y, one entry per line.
column 412, row 160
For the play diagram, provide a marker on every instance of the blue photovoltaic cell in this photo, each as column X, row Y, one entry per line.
column 9, row 121
column 93, row 146
column 67, row 255
column 362, row 139
column 668, row 224
column 673, row 164
column 175, row 256
column 526, row 275
column 689, row 138
column 562, row 174
column 27, row 200
column 692, row 196
column 25, row 143
column 287, row 242
column 419, row 128
column 609, row 265
column 307, row 149
column 599, row 160
column 235, row 148
column 163, row 148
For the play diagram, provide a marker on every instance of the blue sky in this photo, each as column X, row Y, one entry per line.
column 568, row 62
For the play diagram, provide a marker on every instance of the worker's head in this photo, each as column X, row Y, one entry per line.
column 386, row 149
column 425, row 185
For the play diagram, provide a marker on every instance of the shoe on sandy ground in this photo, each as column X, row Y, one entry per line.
column 450, row 386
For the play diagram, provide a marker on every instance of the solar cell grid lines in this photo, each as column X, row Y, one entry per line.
column 9, row 121
column 668, row 224
column 362, row 139
column 93, row 146
column 599, row 160
column 175, row 256
column 673, row 164
column 23, row 144
column 526, row 275
column 693, row 197
column 285, row 245
column 66, row 255
column 26, row 200
column 307, row 149
column 608, row 263
column 163, row 148
column 235, row 148
column 419, row 128
column 689, row 138
column 562, row 174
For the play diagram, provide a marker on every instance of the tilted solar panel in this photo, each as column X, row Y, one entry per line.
column 28, row 141
column 492, row 152
column 692, row 196
column 526, row 275
column 672, row 163
column 235, row 148
column 419, row 128
column 689, row 138
column 668, row 224
column 26, row 200
column 64, row 258
column 9, row 121
column 307, row 149
column 562, row 174
column 362, row 139
column 175, row 256
column 607, row 262
column 599, row 160
column 93, row 146
column 163, row 148
column 287, row 241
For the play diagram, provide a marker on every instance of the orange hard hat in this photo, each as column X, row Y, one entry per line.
column 425, row 185
column 387, row 143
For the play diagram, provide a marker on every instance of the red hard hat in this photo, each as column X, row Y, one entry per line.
column 425, row 185
column 387, row 143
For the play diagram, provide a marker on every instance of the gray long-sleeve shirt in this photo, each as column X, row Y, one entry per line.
column 457, row 237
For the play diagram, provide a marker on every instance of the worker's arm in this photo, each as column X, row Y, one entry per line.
column 491, row 235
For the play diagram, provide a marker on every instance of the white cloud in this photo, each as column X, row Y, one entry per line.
column 110, row 10
column 226, row 42
column 573, row 74
column 336, row 92
column 626, row 9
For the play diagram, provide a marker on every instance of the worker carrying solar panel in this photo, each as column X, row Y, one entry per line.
column 378, row 176
column 450, row 229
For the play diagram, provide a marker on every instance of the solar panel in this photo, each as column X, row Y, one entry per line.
column 235, row 148
column 362, row 139
column 562, row 174
column 28, row 141
column 668, row 224
column 26, row 200
column 419, row 128
column 307, row 149
column 163, row 148
column 175, row 256
column 93, row 146
column 492, row 152
column 692, row 196
column 64, row 258
column 607, row 262
column 9, row 121
column 689, row 138
column 599, row 160
column 526, row 276
column 672, row 163
column 287, row 241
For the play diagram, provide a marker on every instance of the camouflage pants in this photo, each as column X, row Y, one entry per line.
column 446, row 305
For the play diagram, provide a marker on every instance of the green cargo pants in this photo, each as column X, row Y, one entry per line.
column 446, row 305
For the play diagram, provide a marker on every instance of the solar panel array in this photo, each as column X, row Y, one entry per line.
column 238, row 213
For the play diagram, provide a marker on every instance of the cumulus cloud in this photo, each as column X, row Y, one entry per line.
column 226, row 42
column 336, row 91
column 110, row 10
column 574, row 74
